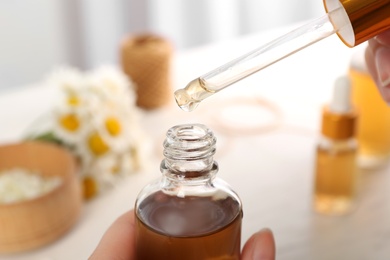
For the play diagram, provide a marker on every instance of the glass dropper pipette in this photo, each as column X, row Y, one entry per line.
column 337, row 20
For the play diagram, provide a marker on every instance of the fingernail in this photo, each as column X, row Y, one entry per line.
column 265, row 230
column 382, row 60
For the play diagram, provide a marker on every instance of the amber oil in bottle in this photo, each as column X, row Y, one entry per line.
column 188, row 213
column 336, row 169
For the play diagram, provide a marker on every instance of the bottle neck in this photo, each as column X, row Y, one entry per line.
column 337, row 145
column 188, row 152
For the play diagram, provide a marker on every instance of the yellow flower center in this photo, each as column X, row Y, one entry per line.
column 73, row 100
column 113, row 126
column 70, row 122
column 97, row 145
column 90, row 187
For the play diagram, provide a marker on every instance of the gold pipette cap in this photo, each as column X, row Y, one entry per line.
column 368, row 18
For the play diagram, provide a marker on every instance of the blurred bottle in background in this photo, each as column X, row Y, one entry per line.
column 373, row 129
column 336, row 174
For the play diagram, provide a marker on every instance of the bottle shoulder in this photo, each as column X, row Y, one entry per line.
column 215, row 189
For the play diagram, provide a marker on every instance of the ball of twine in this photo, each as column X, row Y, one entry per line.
column 146, row 59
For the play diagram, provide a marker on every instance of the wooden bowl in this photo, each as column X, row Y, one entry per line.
column 33, row 223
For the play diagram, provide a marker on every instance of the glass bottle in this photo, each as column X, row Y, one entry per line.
column 336, row 169
column 373, row 125
column 188, row 213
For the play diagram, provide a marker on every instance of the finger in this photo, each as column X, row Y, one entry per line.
column 382, row 64
column 370, row 61
column 373, row 44
column 378, row 63
column 260, row 246
column 384, row 38
column 118, row 241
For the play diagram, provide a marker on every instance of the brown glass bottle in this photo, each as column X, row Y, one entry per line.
column 188, row 213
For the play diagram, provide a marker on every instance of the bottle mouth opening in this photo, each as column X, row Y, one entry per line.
column 188, row 132
column 190, row 139
column 190, row 144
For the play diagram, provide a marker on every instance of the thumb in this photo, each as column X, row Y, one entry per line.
column 260, row 246
column 118, row 241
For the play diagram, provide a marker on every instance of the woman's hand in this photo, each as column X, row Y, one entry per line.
column 118, row 242
column 378, row 63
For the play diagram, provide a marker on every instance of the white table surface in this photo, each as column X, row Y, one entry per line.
column 272, row 171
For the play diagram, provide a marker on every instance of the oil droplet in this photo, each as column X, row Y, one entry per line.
column 190, row 97
column 184, row 100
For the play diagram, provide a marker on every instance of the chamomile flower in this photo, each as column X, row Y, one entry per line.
column 115, row 131
column 69, row 124
column 70, row 81
column 99, row 121
column 112, row 86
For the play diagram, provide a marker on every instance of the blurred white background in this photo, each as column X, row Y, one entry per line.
column 36, row 36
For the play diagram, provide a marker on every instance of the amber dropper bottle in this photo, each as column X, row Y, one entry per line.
column 336, row 167
column 188, row 213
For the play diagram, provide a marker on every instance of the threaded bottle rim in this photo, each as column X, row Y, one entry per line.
column 189, row 142
column 189, row 150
